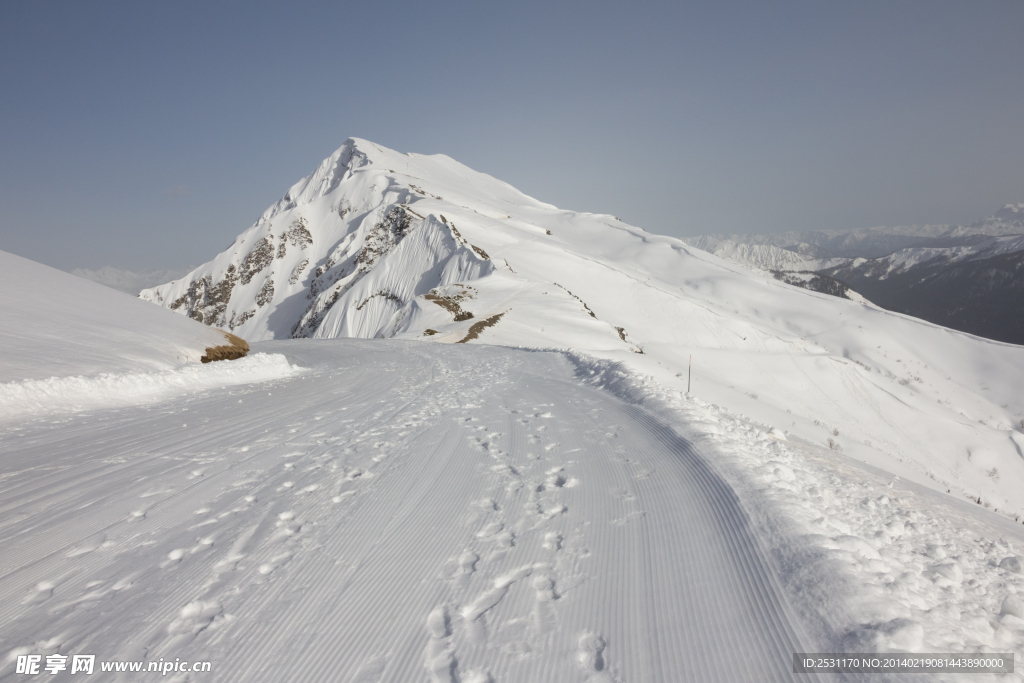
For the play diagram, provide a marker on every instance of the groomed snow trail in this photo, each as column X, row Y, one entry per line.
column 399, row 512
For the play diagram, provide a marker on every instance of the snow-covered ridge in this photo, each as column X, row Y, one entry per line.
column 908, row 258
column 381, row 244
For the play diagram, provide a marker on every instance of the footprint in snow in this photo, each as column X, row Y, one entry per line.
column 275, row 563
column 42, row 592
column 543, row 618
column 90, row 544
column 438, row 655
column 205, row 543
column 287, row 526
column 236, row 553
column 490, row 530
column 553, row 511
column 173, row 558
column 467, row 562
column 590, row 657
column 195, row 617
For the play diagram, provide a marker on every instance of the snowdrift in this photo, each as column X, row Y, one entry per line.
column 108, row 390
column 379, row 244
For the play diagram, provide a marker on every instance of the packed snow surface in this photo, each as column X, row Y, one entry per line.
column 400, row 512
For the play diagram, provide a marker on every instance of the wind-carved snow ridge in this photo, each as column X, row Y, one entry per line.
column 107, row 390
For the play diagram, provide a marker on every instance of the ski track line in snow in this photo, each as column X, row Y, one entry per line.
column 444, row 514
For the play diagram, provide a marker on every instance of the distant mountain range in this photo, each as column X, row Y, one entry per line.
column 967, row 277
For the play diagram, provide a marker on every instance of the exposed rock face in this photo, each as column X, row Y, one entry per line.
column 257, row 259
column 206, row 299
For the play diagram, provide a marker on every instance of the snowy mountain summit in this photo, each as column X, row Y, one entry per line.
column 367, row 246
column 380, row 244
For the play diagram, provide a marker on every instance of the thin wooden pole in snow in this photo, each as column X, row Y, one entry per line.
column 689, row 372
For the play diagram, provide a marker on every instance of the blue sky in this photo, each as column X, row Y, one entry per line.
column 149, row 134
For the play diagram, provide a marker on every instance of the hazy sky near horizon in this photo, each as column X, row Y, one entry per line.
column 147, row 135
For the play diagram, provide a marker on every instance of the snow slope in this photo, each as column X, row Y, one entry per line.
column 69, row 344
column 83, row 328
column 381, row 244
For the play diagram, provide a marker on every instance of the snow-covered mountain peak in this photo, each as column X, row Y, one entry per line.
column 1008, row 220
column 385, row 169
